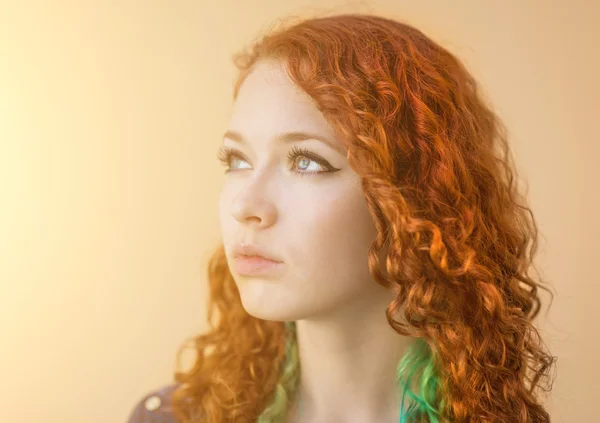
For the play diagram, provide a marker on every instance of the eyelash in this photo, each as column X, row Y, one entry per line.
column 226, row 153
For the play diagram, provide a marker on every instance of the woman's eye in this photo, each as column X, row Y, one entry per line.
column 234, row 157
column 304, row 164
column 308, row 164
column 307, row 157
column 226, row 156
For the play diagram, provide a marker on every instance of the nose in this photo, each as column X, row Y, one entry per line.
column 252, row 206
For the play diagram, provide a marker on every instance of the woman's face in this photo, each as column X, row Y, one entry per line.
column 308, row 211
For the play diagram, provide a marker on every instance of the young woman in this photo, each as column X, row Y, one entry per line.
column 376, row 255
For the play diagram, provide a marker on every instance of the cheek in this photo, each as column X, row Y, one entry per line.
column 226, row 220
column 221, row 208
column 349, row 224
column 335, row 239
column 223, row 203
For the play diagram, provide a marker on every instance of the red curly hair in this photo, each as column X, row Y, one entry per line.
column 457, row 237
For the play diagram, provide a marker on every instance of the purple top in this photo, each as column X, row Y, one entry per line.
column 155, row 407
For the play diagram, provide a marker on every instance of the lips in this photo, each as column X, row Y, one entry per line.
column 253, row 250
column 252, row 260
column 255, row 266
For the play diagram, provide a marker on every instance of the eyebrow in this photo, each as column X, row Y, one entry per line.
column 288, row 137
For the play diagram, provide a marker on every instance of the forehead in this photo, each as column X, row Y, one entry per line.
column 268, row 101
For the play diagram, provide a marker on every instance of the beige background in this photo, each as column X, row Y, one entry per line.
column 110, row 117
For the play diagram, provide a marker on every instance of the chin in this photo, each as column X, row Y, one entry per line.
column 265, row 304
column 269, row 313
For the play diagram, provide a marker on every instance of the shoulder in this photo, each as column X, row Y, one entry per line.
column 154, row 407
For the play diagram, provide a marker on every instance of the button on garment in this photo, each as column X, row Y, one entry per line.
column 152, row 403
column 155, row 407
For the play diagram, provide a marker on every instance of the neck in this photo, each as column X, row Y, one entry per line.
column 348, row 365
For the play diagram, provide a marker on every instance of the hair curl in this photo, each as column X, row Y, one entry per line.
column 457, row 237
